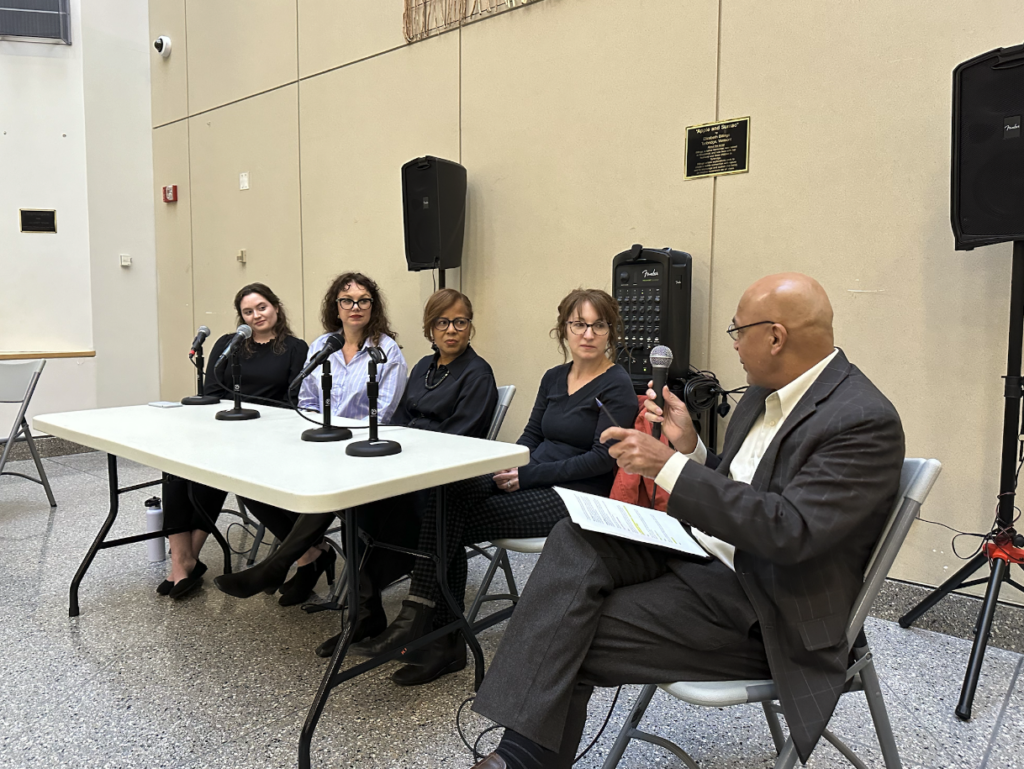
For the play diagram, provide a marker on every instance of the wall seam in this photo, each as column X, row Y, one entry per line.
column 191, row 208
column 714, row 190
column 298, row 145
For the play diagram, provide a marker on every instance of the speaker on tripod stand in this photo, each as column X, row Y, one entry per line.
column 987, row 207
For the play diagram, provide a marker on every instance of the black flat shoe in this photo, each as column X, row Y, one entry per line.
column 165, row 587
column 413, row 621
column 267, row 575
column 300, row 587
column 371, row 621
column 191, row 582
column 445, row 655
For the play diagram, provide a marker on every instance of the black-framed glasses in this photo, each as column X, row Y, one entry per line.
column 461, row 324
column 363, row 304
column 734, row 331
column 599, row 327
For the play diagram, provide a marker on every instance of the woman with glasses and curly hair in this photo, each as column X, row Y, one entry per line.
column 563, row 435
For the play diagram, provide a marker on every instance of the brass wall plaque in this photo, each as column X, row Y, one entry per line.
column 35, row 220
column 718, row 149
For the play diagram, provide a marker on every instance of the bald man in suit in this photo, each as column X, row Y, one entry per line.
column 790, row 512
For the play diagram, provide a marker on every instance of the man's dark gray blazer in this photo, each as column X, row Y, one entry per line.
column 804, row 528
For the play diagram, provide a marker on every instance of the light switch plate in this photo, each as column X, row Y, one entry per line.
column 243, row 180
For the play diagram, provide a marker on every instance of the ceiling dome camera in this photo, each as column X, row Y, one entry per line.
column 163, row 46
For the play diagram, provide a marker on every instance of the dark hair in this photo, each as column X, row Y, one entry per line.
column 440, row 301
column 379, row 323
column 604, row 305
column 281, row 329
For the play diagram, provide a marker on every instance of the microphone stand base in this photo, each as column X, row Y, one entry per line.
column 373, row 448
column 237, row 415
column 200, row 400
column 325, row 434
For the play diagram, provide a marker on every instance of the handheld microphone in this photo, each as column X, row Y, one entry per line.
column 200, row 337
column 242, row 333
column 661, row 359
column 332, row 344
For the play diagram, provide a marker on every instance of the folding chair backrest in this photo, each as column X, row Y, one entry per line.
column 18, row 379
column 505, row 396
column 916, row 480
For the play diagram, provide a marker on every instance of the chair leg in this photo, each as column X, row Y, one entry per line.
column 257, row 540
column 787, row 757
column 876, row 705
column 485, row 585
column 629, row 727
column 39, row 463
column 772, row 716
column 510, row 580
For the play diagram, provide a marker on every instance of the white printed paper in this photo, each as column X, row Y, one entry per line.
column 626, row 521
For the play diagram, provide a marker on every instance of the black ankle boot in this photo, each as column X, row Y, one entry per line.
column 370, row 622
column 413, row 621
column 298, row 588
column 445, row 655
column 271, row 571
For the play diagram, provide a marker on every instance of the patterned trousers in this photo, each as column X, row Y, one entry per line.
column 477, row 511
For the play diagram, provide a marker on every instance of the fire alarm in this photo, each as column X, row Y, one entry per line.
column 171, row 193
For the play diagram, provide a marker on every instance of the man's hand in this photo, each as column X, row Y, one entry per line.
column 674, row 418
column 637, row 452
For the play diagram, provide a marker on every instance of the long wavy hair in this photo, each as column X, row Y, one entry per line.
column 281, row 329
column 379, row 323
column 606, row 307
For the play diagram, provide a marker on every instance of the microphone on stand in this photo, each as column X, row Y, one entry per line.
column 328, row 432
column 196, row 355
column 661, row 359
column 373, row 447
column 242, row 333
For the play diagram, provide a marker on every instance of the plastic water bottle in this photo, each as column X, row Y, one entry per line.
column 155, row 522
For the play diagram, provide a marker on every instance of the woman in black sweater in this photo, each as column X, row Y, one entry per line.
column 563, row 436
column 451, row 391
column 270, row 359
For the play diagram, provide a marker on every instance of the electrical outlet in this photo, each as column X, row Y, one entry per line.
column 243, row 180
column 126, row 261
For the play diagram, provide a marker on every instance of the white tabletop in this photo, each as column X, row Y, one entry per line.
column 265, row 458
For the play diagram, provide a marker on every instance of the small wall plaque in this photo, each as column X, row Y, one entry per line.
column 718, row 149
column 38, row 220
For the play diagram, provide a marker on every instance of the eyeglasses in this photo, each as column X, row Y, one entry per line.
column 733, row 330
column 363, row 304
column 579, row 328
column 461, row 324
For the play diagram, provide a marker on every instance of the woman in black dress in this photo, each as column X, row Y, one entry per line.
column 270, row 359
column 563, row 435
column 450, row 391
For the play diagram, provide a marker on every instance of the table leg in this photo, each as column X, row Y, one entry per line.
column 442, row 580
column 348, row 628
column 73, row 610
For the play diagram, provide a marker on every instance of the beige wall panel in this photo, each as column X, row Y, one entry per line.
column 168, row 77
column 360, row 124
column 173, row 261
column 573, row 118
column 333, row 33
column 849, row 182
column 238, row 48
column 260, row 137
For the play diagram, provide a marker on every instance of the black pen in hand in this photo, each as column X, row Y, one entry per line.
column 606, row 412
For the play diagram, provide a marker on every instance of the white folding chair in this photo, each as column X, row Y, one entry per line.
column 916, row 481
column 18, row 381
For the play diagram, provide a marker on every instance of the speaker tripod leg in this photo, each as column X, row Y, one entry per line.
column 943, row 590
column 988, row 611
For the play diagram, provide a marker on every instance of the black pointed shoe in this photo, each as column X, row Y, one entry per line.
column 445, row 655
column 413, row 621
column 298, row 588
column 194, row 579
column 370, row 622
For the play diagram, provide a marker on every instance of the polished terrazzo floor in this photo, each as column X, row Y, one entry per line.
column 142, row 681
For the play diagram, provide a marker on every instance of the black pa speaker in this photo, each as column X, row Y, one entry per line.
column 434, row 208
column 987, row 203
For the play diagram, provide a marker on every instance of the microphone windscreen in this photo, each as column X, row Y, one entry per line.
column 661, row 357
column 204, row 330
column 244, row 330
column 335, row 342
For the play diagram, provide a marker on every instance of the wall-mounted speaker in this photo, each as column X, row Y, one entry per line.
column 987, row 203
column 434, row 206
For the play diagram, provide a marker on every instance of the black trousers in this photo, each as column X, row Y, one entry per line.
column 179, row 510
column 478, row 511
column 601, row 611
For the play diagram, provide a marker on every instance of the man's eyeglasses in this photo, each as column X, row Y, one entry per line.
column 347, row 304
column 579, row 328
column 461, row 324
column 734, row 330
